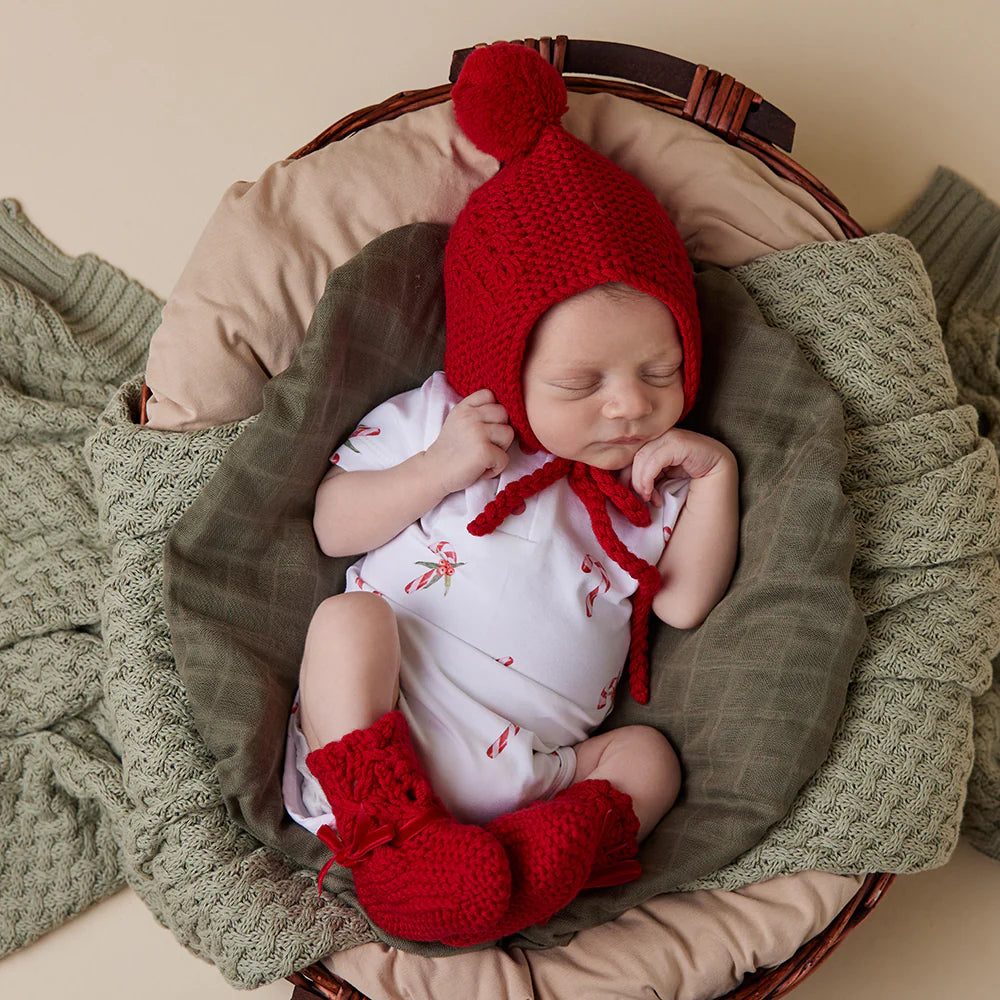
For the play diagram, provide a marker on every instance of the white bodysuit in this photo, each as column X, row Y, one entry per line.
column 512, row 643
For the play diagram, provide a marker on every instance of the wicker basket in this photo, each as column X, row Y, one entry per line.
column 722, row 105
column 768, row 984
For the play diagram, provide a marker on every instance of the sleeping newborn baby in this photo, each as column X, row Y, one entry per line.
column 522, row 514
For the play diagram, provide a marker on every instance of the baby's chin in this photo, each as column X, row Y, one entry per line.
column 610, row 457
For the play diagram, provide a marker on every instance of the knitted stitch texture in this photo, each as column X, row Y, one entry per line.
column 103, row 776
column 957, row 232
column 925, row 492
column 243, row 907
column 557, row 218
column 103, row 779
column 554, row 846
column 438, row 878
column 70, row 330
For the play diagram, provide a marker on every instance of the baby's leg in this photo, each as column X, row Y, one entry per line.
column 350, row 667
column 417, row 872
column 638, row 761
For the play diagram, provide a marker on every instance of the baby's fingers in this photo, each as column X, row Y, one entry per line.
column 502, row 435
column 486, row 407
column 491, row 413
column 653, row 460
column 643, row 476
column 498, row 462
column 478, row 398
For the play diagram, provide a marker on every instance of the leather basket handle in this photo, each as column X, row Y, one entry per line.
column 714, row 100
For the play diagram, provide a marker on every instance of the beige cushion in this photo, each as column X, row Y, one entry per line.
column 689, row 946
column 243, row 302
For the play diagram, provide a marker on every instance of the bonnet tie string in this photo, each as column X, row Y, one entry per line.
column 594, row 487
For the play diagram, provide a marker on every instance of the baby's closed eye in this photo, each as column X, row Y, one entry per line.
column 663, row 375
column 582, row 385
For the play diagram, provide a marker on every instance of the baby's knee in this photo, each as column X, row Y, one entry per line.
column 653, row 758
column 349, row 675
column 639, row 761
column 350, row 633
column 357, row 609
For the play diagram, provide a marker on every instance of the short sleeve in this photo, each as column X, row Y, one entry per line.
column 398, row 428
column 674, row 493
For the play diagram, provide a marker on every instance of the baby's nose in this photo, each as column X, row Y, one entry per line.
column 628, row 400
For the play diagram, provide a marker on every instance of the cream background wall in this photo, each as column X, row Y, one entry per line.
column 123, row 123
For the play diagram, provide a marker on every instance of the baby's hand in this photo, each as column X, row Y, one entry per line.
column 473, row 442
column 676, row 454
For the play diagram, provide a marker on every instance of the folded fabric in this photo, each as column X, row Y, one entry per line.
column 60, row 360
column 925, row 492
column 957, row 232
column 103, row 779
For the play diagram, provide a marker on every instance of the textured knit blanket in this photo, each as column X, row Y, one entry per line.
column 103, row 778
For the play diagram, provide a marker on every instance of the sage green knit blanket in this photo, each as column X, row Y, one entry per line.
column 103, row 779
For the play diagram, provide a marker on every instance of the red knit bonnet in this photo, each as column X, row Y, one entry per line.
column 557, row 218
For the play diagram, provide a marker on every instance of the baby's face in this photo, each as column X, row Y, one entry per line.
column 602, row 376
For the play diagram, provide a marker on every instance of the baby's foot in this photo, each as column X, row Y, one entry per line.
column 582, row 838
column 418, row 873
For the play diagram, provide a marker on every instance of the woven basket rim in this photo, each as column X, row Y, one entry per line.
column 769, row 984
column 777, row 159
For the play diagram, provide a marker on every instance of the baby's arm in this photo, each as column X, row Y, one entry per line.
column 698, row 562
column 361, row 510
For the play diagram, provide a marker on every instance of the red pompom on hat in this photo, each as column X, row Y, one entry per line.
column 558, row 218
column 504, row 98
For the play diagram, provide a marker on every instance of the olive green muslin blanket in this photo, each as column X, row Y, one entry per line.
column 750, row 699
column 104, row 778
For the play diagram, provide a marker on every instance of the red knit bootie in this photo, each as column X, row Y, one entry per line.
column 583, row 838
column 418, row 873
column 615, row 862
